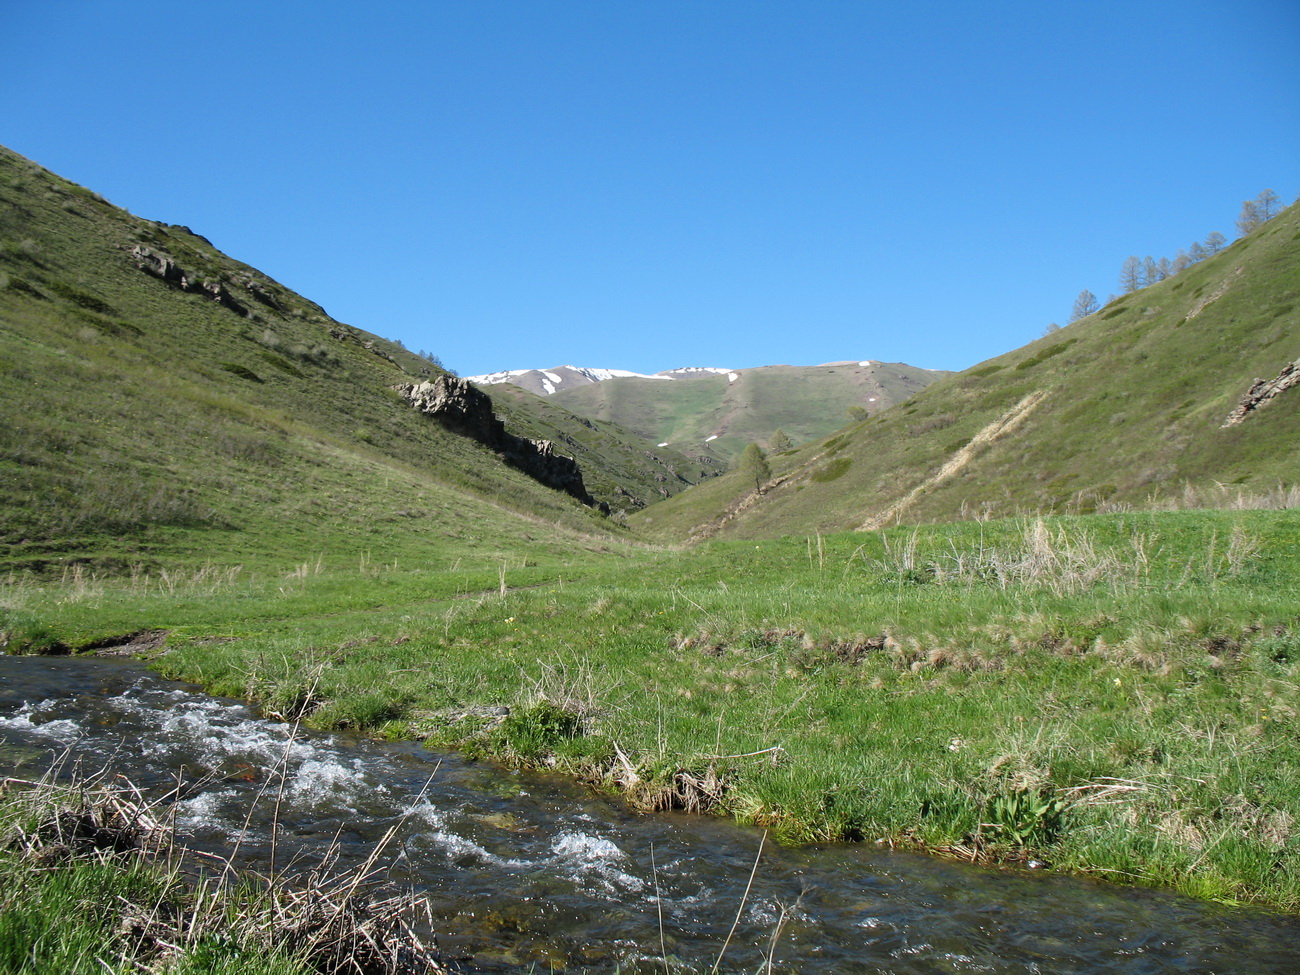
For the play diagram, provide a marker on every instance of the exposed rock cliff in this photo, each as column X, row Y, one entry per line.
column 1263, row 390
column 462, row 409
column 165, row 269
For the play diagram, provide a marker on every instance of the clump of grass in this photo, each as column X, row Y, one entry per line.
column 1226, row 497
column 91, row 878
column 1057, row 559
column 832, row 471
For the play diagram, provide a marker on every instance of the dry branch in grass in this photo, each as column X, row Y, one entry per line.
column 336, row 922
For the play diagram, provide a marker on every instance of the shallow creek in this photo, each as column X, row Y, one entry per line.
column 528, row 870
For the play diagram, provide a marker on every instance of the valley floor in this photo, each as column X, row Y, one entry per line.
column 1111, row 695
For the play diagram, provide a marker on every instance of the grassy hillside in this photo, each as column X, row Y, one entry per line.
column 806, row 402
column 145, row 421
column 1122, row 409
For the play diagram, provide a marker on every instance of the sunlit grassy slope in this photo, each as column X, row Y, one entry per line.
column 144, row 423
column 1124, row 408
column 804, row 402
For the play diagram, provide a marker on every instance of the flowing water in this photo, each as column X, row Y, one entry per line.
column 528, row 870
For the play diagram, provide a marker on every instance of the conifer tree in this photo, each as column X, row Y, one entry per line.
column 753, row 466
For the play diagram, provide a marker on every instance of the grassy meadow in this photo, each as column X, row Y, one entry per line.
column 1113, row 695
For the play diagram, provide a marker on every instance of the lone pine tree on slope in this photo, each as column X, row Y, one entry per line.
column 753, row 466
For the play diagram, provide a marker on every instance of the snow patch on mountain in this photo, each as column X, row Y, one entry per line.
column 694, row 371
column 491, row 378
column 551, row 380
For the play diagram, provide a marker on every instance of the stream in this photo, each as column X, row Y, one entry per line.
column 526, row 871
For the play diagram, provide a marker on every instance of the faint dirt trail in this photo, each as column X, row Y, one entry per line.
column 711, row 528
column 1003, row 425
column 1214, row 295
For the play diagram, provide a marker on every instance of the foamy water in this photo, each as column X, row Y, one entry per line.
column 521, row 869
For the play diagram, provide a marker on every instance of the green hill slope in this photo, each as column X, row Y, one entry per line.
column 715, row 415
column 1124, row 408
column 161, row 400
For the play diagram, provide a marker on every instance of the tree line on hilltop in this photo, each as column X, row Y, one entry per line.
column 1136, row 273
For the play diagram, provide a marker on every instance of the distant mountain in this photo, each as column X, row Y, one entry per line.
column 716, row 412
column 545, row 382
column 1183, row 392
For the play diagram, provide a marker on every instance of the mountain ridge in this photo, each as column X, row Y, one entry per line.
column 546, row 382
column 719, row 414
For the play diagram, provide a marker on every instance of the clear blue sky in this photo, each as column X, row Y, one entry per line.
column 643, row 185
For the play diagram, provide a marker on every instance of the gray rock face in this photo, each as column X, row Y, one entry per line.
column 168, row 271
column 465, row 410
column 1263, row 390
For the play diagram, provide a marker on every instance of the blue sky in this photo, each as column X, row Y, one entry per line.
column 643, row 185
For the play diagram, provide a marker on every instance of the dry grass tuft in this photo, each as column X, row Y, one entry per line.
column 331, row 922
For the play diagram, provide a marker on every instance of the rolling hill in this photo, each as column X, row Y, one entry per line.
column 1127, row 408
column 620, row 467
column 161, row 399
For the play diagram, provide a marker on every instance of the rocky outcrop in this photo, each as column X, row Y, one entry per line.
column 262, row 294
column 161, row 266
column 1263, row 390
column 465, row 410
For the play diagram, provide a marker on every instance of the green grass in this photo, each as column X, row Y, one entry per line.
column 90, row 883
column 1114, row 694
